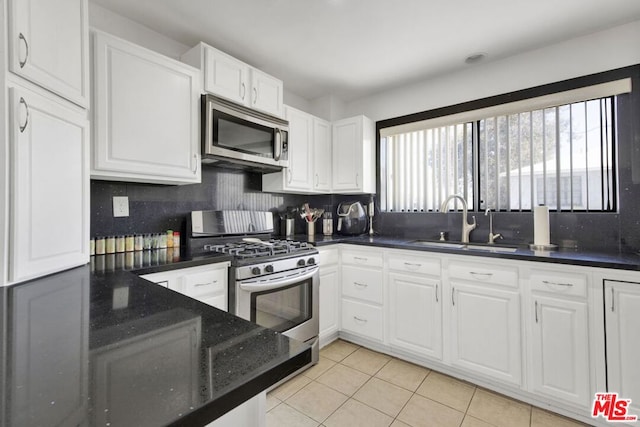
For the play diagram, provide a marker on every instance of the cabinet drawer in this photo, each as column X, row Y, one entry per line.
column 363, row 258
column 217, row 301
column 362, row 319
column 204, row 283
column 328, row 256
column 414, row 264
column 362, row 283
column 485, row 273
column 559, row 283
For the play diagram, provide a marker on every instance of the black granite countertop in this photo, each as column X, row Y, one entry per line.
column 85, row 348
column 622, row 261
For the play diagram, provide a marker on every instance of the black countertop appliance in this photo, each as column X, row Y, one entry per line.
column 352, row 219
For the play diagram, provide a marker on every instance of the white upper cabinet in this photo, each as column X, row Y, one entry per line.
column 146, row 114
column 49, row 144
column 230, row 78
column 354, row 156
column 225, row 76
column 266, row 93
column 297, row 177
column 48, row 44
column 321, row 158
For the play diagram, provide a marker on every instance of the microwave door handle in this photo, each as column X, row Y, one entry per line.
column 257, row 287
column 278, row 145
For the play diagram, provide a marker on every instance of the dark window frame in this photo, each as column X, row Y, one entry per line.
column 632, row 72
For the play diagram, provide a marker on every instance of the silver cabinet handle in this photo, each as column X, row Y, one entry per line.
column 206, row 284
column 290, row 174
column 357, row 179
column 412, row 264
column 357, row 258
column 362, row 285
column 358, row 319
column 453, row 291
column 437, row 293
column 482, row 276
column 195, row 164
column 536, row 311
column 613, row 299
column 547, row 282
column 244, row 91
column 317, row 180
column 26, row 55
column 26, row 121
column 255, row 96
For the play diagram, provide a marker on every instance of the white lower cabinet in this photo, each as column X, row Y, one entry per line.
column 415, row 318
column 206, row 283
column 415, row 303
column 362, row 292
column 485, row 319
column 559, row 337
column 362, row 319
column 622, row 318
column 329, row 295
column 485, row 331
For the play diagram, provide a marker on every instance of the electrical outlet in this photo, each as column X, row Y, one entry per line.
column 120, row 206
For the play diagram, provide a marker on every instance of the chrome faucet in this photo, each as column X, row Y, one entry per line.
column 492, row 237
column 466, row 227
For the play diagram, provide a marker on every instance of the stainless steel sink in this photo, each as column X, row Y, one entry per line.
column 438, row 244
column 491, row 248
column 464, row 246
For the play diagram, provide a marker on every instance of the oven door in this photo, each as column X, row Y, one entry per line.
column 285, row 302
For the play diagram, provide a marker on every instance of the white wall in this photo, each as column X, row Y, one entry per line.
column 601, row 51
column 109, row 22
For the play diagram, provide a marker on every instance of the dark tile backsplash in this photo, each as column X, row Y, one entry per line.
column 154, row 208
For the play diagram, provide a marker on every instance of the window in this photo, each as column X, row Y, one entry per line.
column 507, row 157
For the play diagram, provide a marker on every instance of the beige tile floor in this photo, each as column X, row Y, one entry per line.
column 352, row 386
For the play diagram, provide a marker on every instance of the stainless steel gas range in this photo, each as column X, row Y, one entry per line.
column 274, row 283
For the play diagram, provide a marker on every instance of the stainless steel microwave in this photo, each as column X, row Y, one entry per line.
column 234, row 136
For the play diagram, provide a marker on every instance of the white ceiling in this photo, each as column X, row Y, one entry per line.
column 353, row 48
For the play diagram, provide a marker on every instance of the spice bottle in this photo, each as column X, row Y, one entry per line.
column 176, row 239
column 129, row 243
column 120, row 244
column 169, row 238
column 110, row 244
column 100, row 246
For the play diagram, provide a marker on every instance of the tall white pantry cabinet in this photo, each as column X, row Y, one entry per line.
column 45, row 146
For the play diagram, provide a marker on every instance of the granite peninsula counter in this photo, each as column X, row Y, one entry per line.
column 84, row 348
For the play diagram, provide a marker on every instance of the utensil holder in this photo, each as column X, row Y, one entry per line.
column 311, row 229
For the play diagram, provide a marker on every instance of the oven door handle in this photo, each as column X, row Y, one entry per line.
column 277, row 283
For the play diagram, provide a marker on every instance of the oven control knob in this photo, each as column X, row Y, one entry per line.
column 301, row 263
column 269, row 268
column 311, row 261
column 255, row 270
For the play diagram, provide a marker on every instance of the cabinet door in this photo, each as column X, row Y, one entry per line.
column 321, row 155
column 298, row 174
column 485, row 331
column 266, row 93
column 146, row 115
column 50, row 186
column 49, row 45
column 226, row 76
column 622, row 318
column 560, row 347
column 329, row 301
column 416, row 314
column 347, row 159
